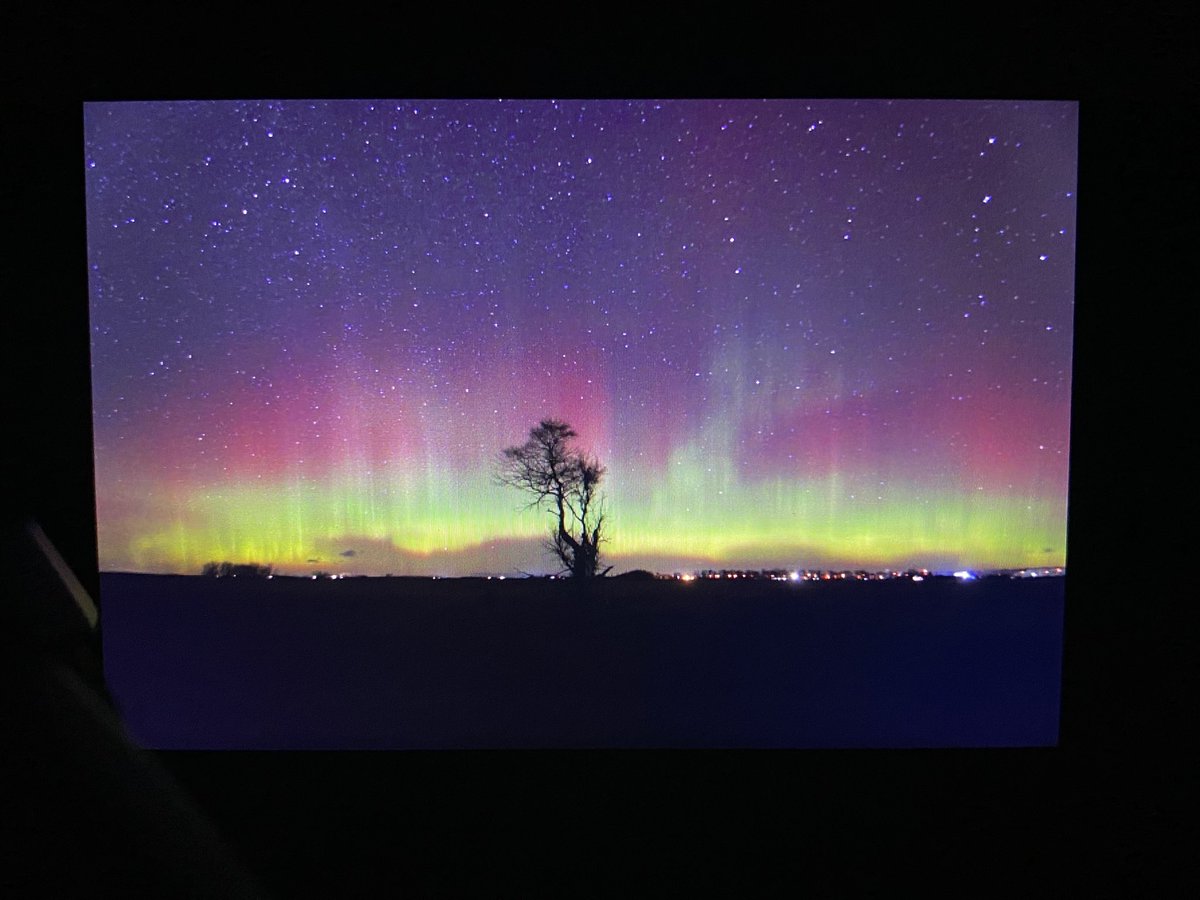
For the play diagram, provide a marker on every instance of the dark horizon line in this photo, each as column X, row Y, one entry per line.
column 519, row 576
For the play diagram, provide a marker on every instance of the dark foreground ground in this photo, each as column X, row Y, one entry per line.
column 431, row 664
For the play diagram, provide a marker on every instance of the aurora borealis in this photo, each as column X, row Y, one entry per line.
column 797, row 333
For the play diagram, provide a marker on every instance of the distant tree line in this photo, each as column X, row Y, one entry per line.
column 235, row 570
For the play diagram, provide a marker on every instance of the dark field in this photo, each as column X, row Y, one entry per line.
column 400, row 663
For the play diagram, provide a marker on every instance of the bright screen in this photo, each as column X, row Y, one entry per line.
column 810, row 341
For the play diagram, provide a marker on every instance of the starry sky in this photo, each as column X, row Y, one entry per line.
column 828, row 333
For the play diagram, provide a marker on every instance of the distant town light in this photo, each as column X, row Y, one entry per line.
column 917, row 578
column 964, row 576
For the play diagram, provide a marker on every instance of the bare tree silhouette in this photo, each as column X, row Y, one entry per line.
column 564, row 482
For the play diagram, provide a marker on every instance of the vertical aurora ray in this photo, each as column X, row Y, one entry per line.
column 796, row 333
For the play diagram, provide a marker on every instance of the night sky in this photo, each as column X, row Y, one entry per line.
column 798, row 333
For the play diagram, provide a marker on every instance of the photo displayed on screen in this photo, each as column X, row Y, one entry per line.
column 582, row 423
